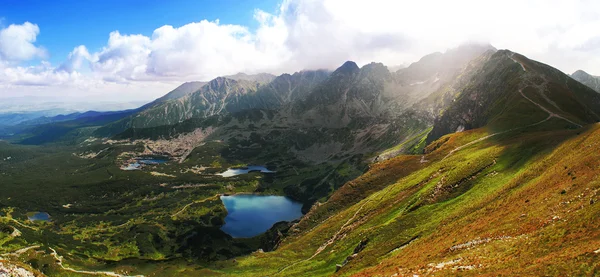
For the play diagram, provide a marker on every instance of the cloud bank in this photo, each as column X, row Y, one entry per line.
column 302, row 34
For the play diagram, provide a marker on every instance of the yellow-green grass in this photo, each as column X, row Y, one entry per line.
column 521, row 198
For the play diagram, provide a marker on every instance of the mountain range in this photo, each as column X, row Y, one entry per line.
column 474, row 161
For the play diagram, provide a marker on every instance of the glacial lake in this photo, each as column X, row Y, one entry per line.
column 137, row 165
column 245, row 170
column 152, row 160
column 39, row 216
column 252, row 215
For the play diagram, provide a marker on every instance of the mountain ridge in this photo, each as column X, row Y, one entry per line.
column 587, row 79
column 475, row 161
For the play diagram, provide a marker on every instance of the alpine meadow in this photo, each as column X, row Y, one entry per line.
column 299, row 138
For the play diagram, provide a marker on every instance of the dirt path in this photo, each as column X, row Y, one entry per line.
column 541, row 87
column 513, row 58
column 550, row 115
column 195, row 202
column 20, row 251
column 328, row 242
column 106, row 273
column 19, row 223
column 548, row 111
column 112, row 227
column 494, row 134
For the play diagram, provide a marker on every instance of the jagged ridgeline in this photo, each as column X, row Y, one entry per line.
column 309, row 97
column 474, row 161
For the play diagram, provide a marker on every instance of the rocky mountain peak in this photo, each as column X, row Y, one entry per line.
column 587, row 79
column 374, row 67
column 262, row 78
column 220, row 82
column 348, row 67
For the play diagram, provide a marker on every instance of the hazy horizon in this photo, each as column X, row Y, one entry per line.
column 140, row 52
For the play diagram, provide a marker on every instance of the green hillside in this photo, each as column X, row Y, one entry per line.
column 471, row 162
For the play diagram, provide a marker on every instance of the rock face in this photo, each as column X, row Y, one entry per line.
column 271, row 239
column 11, row 270
column 352, row 93
column 589, row 80
column 316, row 98
column 220, row 96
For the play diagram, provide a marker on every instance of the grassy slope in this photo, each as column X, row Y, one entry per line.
column 517, row 203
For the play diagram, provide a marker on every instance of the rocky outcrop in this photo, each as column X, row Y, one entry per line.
column 361, row 245
column 12, row 270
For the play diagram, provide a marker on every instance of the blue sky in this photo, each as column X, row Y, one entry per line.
column 139, row 50
column 69, row 23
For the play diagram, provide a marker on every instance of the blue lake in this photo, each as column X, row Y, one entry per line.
column 238, row 171
column 152, row 160
column 39, row 216
column 252, row 215
column 139, row 162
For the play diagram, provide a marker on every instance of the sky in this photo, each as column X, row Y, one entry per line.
column 139, row 50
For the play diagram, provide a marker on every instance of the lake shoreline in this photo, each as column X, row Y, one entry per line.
column 250, row 215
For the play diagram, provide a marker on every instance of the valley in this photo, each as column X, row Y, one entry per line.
column 475, row 161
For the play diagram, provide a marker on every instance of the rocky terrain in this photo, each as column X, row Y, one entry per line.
column 589, row 80
column 474, row 161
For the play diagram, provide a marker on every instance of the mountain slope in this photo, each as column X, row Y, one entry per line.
column 589, row 80
column 67, row 129
column 435, row 71
column 218, row 95
column 508, row 205
column 221, row 96
column 261, row 78
column 507, row 185
column 313, row 120
column 373, row 91
column 180, row 91
column 511, row 91
column 514, row 194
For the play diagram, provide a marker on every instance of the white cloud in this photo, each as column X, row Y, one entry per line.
column 394, row 32
column 307, row 34
column 123, row 59
column 16, row 43
column 75, row 59
column 40, row 75
column 196, row 51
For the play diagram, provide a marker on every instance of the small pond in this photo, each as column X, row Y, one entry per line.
column 245, row 170
column 252, row 215
column 152, row 160
column 39, row 216
column 141, row 161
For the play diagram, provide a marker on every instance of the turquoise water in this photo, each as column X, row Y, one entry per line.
column 252, row 215
column 237, row 171
column 39, row 216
